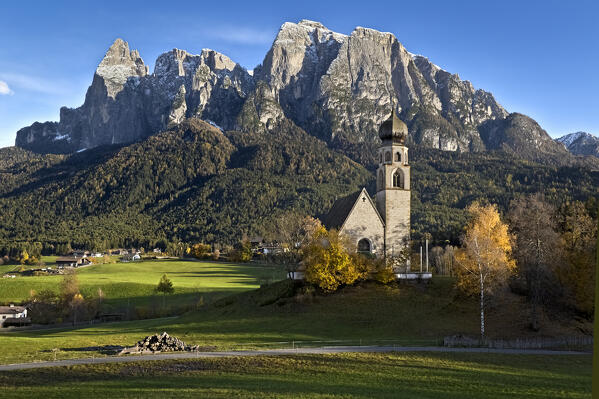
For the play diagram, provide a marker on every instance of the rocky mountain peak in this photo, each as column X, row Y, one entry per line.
column 217, row 61
column 172, row 63
column 305, row 33
column 179, row 63
column 580, row 143
column 118, row 65
column 372, row 34
column 312, row 24
column 570, row 138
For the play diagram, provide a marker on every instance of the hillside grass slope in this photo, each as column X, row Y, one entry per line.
column 282, row 315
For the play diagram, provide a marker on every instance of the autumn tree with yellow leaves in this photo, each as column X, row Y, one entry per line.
column 330, row 260
column 576, row 269
column 201, row 251
column 73, row 303
column 484, row 261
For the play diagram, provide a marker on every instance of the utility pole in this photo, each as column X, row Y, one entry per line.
column 421, row 259
column 427, row 255
column 596, row 341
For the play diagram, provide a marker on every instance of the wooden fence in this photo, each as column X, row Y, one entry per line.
column 566, row 342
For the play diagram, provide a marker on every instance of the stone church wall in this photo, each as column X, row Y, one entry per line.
column 364, row 222
column 398, row 217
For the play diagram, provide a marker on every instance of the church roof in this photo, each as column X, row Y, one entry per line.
column 340, row 211
column 393, row 129
column 342, row 208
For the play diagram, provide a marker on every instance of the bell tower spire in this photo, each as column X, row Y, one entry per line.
column 393, row 184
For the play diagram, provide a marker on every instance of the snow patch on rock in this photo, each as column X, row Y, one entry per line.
column 59, row 136
column 215, row 125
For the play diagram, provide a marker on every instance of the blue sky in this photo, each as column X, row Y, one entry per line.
column 537, row 57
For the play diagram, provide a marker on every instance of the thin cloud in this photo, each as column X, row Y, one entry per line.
column 241, row 35
column 34, row 83
column 4, row 89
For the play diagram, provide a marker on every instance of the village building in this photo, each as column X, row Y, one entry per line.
column 13, row 316
column 79, row 253
column 131, row 256
column 72, row 261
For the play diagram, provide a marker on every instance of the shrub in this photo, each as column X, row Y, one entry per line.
column 380, row 270
column 329, row 263
column 201, row 251
column 44, row 307
column 242, row 252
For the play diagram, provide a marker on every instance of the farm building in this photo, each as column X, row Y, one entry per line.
column 13, row 315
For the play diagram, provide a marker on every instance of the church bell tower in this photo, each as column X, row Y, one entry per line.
column 393, row 184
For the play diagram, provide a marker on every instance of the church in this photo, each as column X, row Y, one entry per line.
column 380, row 227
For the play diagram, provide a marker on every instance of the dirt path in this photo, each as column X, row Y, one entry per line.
column 278, row 352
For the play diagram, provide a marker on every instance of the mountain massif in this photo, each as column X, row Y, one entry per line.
column 336, row 87
column 580, row 143
column 203, row 150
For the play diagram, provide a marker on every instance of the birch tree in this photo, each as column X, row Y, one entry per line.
column 484, row 261
column 532, row 221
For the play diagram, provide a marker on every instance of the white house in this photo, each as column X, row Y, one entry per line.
column 12, row 312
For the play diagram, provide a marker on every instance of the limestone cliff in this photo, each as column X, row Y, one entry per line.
column 336, row 87
column 124, row 103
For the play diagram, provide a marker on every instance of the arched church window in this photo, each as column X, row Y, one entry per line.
column 380, row 157
column 364, row 245
column 381, row 182
column 398, row 178
column 387, row 157
column 397, row 157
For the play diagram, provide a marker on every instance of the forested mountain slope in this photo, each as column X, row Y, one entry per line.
column 195, row 183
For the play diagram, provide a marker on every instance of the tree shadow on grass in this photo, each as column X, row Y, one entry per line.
column 304, row 376
column 103, row 349
column 177, row 305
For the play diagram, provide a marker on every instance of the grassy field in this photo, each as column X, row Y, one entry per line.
column 366, row 314
column 393, row 375
column 133, row 283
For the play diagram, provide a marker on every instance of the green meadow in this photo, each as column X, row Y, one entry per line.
column 134, row 283
column 365, row 375
column 243, row 316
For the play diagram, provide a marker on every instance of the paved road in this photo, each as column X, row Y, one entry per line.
column 277, row 352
